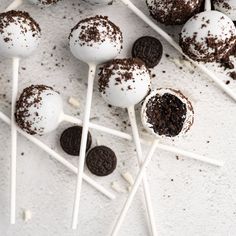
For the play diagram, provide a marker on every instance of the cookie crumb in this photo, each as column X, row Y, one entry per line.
column 74, row 102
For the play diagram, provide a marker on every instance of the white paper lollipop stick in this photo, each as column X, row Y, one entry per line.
column 172, row 42
column 147, row 195
column 140, row 177
column 59, row 158
column 160, row 146
column 207, row 5
column 15, row 70
column 14, row 5
column 91, row 76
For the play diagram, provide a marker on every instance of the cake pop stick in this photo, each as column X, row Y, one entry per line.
column 165, row 114
column 16, row 3
column 134, row 189
column 94, row 41
column 172, row 42
column 207, row 5
column 59, row 158
column 124, row 83
column 19, row 37
column 15, row 69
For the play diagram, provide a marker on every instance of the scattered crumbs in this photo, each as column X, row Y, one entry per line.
column 163, row 71
column 115, row 186
column 208, row 141
column 74, row 102
column 227, row 82
column 167, row 55
column 177, row 157
column 128, row 177
column 153, row 75
column 23, row 68
column 172, row 180
column 27, row 215
column 22, row 154
column 233, row 75
column 200, row 170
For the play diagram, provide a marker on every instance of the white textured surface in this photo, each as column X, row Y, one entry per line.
column 190, row 198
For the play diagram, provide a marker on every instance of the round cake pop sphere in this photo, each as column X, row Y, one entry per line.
column 19, row 34
column 39, row 109
column 124, row 82
column 95, row 40
column 167, row 112
column 208, row 36
column 228, row 7
column 174, row 12
column 44, row 2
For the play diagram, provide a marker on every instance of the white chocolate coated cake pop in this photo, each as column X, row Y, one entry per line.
column 208, row 36
column 124, row 82
column 95, row 40
column 39, row 109
column 167, row 112
column 228, row 7
column 19, row 34
column 174, row 12
column 43, row 2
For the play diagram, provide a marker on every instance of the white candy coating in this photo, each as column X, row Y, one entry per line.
column 124, row 82
column 208, row 36
column 95, row 40
column 228, row 7
column 172, row 12
column 160, row 92
column 19, row 34
column 39, row 109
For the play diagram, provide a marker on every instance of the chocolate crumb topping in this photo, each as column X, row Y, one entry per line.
column 166, row 114
column 172, row 12
column 18, row 17
column 122, row 68
column 212, row 46
column 47, row 2
column 97, row 29
column 31, row 96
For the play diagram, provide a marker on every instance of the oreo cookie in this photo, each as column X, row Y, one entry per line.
column 71, row 138
column 101, row 161
column 149, row 50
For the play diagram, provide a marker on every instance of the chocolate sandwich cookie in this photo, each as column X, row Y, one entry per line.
column 101, row 161
column 71, row 138
column 148, row 49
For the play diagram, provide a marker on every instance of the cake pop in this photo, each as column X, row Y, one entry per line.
column 124, row 83
column 19, row 37
column 228, row 7
column 19, row 34
column 16, row 3
column 94, row 40
column 167, row 113
column 173, row 12
column 208, row 36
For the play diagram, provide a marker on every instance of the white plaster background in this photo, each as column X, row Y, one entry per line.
column 200, row 201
